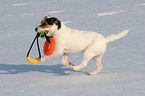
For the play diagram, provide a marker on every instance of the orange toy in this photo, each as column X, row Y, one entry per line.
column 49, row 46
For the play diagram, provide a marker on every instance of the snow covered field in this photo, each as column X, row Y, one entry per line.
column 124, row 61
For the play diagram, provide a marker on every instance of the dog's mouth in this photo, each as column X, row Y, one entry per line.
column 41, row 31
column 42, row 35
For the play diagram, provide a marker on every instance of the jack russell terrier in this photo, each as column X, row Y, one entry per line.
column 91, row 44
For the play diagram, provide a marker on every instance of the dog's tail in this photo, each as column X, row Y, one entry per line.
column 116, row 36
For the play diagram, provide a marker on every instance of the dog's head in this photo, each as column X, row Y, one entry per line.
column 49, row 24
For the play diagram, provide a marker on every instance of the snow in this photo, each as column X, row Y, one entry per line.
column 123, row 72
column 141, row 4
column 20, row 4
column 53, row 12
column 110, row 13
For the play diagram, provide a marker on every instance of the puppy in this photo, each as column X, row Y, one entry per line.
column 91, row 44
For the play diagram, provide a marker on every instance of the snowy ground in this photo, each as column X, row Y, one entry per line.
column 124, row 62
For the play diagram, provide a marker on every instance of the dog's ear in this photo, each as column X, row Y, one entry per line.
column 53, row 20
column 57, row 22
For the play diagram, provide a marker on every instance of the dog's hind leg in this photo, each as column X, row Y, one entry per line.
column 64, row 60
column 97, row 60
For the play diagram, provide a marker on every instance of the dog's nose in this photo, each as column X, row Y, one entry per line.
column 36, row 29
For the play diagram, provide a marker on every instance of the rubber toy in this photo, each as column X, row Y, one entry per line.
column 49, row 46
column 42, row 32
column 33, row 60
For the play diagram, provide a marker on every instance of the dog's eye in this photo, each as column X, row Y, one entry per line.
column 44, row 24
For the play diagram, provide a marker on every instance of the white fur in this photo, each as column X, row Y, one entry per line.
column 92, row 44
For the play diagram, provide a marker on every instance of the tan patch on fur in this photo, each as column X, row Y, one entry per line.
column 46, row 26
column 54, row 22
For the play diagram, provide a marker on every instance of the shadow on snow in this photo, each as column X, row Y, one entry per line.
column 16, row 69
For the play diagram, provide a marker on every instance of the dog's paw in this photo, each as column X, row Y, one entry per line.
column 92, row 73
column 70, row 64
column 74, row 68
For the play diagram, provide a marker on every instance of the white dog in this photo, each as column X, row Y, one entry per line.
column 68, row 40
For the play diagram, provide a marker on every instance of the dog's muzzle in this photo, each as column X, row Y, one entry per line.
column 36, row 29
column 41, row 34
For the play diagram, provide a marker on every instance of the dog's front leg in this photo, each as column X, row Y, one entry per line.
column 56, row 53
column 64, row 60
column 43, row 58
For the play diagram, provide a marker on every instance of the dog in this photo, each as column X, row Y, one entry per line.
column 91, row 44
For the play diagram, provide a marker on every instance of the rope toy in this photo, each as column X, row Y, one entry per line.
column 48, row 48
